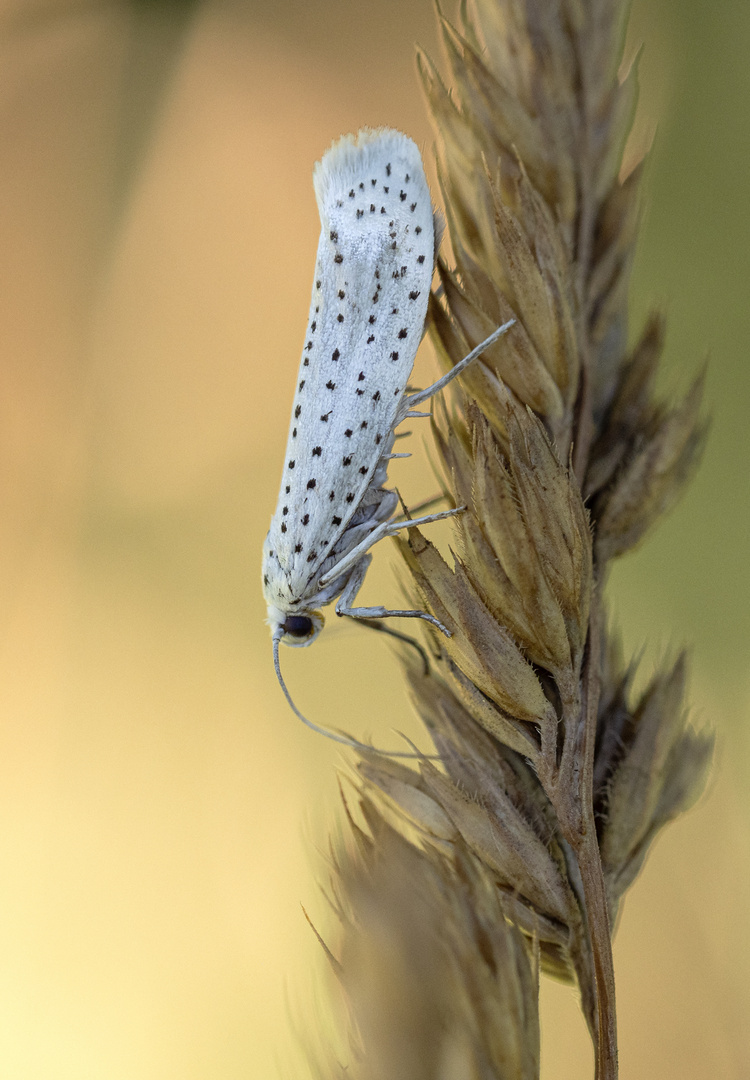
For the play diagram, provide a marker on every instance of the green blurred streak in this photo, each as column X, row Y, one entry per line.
column 159, row 29
column 693, row 573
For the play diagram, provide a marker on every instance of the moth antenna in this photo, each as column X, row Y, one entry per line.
column 345, row 740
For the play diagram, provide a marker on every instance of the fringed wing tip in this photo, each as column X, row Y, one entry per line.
column 350, row 153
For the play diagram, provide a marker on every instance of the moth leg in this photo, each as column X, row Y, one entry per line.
column 423, row 395
column 383, row 629
column 355, row 559
column 395, row 526
column 385, row 528
column 354, row 584
column 388, row 613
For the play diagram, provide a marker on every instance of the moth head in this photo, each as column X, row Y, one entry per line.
column 299, row 628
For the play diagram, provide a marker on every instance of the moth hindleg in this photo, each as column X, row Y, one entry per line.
column 424, row 395
column 427, row 519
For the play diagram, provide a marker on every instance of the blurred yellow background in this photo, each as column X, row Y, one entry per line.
column 161, row 811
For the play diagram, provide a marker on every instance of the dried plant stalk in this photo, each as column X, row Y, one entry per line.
column 554, row 780
column 439, row 982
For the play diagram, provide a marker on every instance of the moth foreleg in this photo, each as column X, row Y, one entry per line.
column 349, row 594
column 389, row 613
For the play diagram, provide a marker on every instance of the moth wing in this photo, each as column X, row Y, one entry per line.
column 369, row 303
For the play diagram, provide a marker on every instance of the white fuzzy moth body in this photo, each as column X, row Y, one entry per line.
column 373, row 272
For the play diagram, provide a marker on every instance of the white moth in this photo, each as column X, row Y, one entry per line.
column 373, row 272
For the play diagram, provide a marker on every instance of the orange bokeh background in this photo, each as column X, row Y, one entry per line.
column 161, row 811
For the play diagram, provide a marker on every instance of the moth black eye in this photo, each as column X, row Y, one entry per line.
column 298, row 625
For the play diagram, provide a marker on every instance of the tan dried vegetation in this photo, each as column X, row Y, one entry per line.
column 515, row 851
